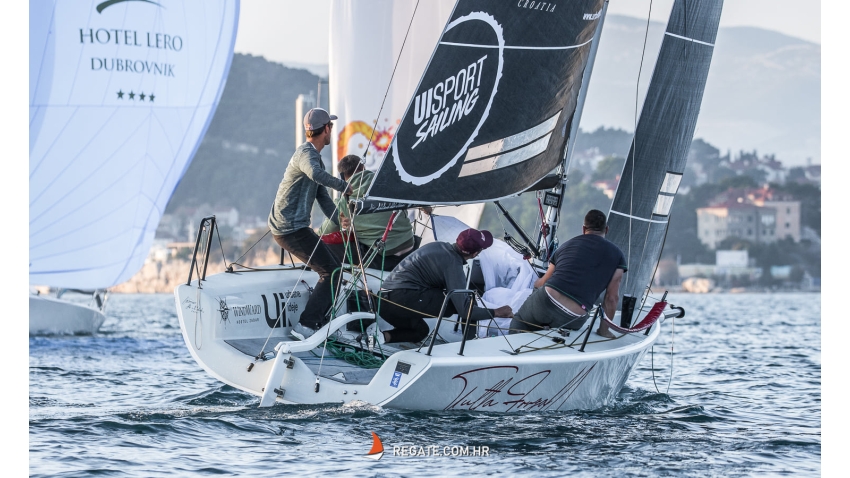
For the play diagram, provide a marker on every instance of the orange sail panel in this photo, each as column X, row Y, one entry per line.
column 377, row 446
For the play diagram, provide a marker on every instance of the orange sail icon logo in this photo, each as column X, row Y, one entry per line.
column 377, row 450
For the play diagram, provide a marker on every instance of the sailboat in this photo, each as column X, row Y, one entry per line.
column 479, row 127
column 121, row 94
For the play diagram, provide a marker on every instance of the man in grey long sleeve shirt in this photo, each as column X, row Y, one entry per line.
column 305, row 182
column 418, row 285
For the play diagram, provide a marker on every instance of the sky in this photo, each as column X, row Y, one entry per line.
column 277, row 29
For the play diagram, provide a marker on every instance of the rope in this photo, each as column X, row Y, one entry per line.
column 652, row 356
column 356, row 357
column 647, row 322
column 544, row 230
column 199, row 324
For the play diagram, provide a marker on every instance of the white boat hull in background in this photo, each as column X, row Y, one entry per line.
column 50, row 316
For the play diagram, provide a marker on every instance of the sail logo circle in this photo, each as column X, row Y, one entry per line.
column 449, row 108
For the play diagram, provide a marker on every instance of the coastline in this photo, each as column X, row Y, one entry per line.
column 162, row 276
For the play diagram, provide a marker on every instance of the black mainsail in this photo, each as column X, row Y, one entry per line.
column 493, row 111
column 640, row 211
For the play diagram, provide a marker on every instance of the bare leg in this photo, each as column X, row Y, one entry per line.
column 605, row 331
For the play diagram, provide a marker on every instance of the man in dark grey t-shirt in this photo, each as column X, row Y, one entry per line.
column 579, row 271
column 417, row 287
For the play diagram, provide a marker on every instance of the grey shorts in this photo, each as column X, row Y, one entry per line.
column 540, row 310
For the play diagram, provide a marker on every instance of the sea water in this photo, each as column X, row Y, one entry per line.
column 731, row 389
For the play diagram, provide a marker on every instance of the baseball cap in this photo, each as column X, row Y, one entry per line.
column 471, row 240
column 316, row 118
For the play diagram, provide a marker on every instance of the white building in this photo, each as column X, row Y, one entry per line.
column 736, row 219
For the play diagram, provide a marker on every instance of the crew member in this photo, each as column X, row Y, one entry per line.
column 368, row 228
column 305, row 182
column 417, row 287
column 579, row 271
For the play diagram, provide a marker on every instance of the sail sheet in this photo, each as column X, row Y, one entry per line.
column 492, row 112
column 640, row 212
column 121, row 93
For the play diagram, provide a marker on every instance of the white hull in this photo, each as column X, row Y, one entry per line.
column 230, row 313
column 51, row 316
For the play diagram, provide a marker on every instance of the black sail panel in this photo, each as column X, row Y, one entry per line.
column 492, row 113
column 640, row 212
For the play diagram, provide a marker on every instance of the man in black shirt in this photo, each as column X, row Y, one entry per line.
column 579, row 271
column 418, row 285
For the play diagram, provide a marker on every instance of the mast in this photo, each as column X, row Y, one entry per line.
column 554, row 199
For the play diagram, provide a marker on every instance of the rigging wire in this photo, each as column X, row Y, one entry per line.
column 386, row 93
column 249, row 249
column 347, row 183
column 336, row 208
column 634, row 142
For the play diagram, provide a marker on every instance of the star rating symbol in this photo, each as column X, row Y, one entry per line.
column 132, row 96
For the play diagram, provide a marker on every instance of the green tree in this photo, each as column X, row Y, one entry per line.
column 608, row 169
column 735, row 182
column 609, row 141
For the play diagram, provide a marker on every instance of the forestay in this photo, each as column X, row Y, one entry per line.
column 492, row 113
column 121, row 94
column 640, row 211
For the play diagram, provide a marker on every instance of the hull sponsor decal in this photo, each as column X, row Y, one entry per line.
column 395, row 380
column 510, row 390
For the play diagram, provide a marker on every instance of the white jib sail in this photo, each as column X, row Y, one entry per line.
column 121, row 93
column 366, row 37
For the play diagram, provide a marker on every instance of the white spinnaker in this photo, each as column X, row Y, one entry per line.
column 121, row 93
column 366, row 38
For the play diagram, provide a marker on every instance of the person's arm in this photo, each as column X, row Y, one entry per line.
column 612, row 294
column 327, row 204
column 541, row 281
column 312, row 168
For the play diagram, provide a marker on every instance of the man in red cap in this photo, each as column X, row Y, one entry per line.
column 417, row 287
column 306, row 182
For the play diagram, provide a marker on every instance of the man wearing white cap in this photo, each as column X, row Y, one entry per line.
column 306, row 181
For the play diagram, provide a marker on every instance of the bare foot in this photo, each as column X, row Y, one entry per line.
column 603, row 331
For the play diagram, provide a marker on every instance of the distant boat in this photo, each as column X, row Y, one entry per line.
column 698, row 285
column 121, row 94
column 377, row 450
column 495, row 113
column 53, row 315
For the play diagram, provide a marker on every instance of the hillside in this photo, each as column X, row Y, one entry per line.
column 763, row 89
column 763, row 93
column 243, row 155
